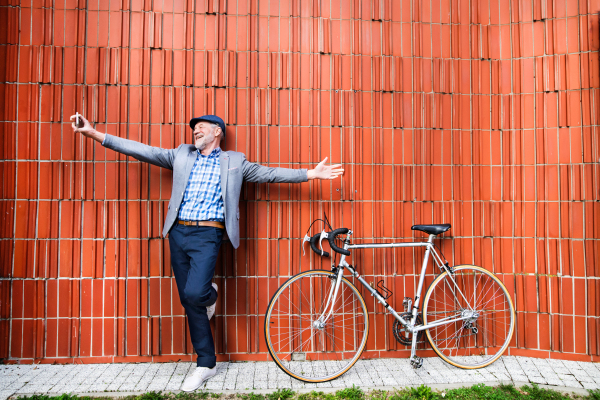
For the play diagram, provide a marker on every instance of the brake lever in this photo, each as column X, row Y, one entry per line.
column 306, row 239
column 323, row 236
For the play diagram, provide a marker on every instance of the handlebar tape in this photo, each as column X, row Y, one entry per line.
column 313, row 246
column 331, row 237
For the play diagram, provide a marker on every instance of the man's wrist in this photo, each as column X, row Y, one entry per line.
column 310, row 174
column 98, row 136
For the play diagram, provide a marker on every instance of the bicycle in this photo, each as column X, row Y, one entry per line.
column 320, row 316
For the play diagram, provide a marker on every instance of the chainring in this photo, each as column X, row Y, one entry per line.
column 402, row 335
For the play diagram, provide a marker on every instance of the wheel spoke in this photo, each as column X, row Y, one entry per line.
column 484, row 334
column 294, row 326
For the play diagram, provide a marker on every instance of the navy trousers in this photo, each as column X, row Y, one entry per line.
column 194, row 251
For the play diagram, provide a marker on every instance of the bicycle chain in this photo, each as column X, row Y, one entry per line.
column 454, row 337
column 404, row 337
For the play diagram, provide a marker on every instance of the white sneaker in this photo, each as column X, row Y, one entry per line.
column 210, row 310
column 197, row 378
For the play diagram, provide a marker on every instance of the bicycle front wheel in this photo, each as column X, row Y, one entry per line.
column 483, row 315
column 310, row 338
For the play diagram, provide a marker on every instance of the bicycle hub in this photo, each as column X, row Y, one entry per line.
column 470, row 316
column 318, row 324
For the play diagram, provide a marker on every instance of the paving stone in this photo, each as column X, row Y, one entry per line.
column 117, row 382
column 428, row 379
column 546, row 369
column 296, row 384
column 175, row 383
column 402, row 380
column 98, row 387
column 16, row 385
column 127, row 386
column 590, row 385
column 538, row 380
column 219, row 377
column 592, row 371
column 244, row 383
column 389, row 381
column 385, row 373
column 230, row 385
column 519, row 378
column 554, row 363
column 586, row 378
column 554, row 382
column 33, row 388
column 73, row 378
column 210, row 385
column 572, row 383
column 260, row 385
column 58, row 389
column 7, row 379
column 71, row 389
column 159, row 383
column 85, row 388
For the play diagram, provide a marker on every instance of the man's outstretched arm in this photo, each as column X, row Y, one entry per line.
column 142, row 152
column 259, row 173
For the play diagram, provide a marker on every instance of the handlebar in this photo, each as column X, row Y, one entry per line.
column 313, row 246
column 331, row 237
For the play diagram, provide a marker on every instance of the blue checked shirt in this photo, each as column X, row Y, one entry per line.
column 202, row 200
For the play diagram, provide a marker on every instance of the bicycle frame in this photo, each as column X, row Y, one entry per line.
column 409, row 325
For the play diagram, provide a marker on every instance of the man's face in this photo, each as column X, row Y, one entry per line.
column 204, row 134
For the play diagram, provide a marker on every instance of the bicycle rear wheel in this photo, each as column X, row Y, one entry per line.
column 479, row 297
column 305, row 346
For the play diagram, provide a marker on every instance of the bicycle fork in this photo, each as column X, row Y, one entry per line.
column 322, row 320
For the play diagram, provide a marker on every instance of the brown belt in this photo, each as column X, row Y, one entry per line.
column 216, row 224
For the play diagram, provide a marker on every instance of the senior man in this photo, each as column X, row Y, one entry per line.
column 204, row 205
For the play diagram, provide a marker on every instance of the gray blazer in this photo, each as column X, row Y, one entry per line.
column 234, row 170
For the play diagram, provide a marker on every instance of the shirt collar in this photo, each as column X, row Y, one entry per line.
column 215, row 153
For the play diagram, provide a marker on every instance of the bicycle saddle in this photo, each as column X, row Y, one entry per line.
column 432, row 229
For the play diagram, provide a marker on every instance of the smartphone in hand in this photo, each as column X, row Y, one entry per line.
column 78, row 122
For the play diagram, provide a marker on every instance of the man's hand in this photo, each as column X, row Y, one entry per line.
column 86, row 129
column 323, row 171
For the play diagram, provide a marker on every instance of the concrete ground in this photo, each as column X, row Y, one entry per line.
column 126, row 379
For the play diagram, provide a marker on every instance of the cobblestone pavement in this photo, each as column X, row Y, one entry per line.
column 112, row 379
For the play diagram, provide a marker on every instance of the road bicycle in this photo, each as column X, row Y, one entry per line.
column 316, row 324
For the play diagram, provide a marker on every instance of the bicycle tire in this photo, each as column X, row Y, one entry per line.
column 467, row 343
column 330, row 352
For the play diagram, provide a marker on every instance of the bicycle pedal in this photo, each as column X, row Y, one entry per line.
column 416, row 362
column 407, row 303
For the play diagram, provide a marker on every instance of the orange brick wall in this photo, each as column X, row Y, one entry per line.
column 479, row 113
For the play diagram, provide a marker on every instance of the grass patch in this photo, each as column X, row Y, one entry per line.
column 281, row 394
column 353, row 393
column 481, row 391
column 252, row 396
column 64, row 396
column 476, row 392
column 314, row 395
